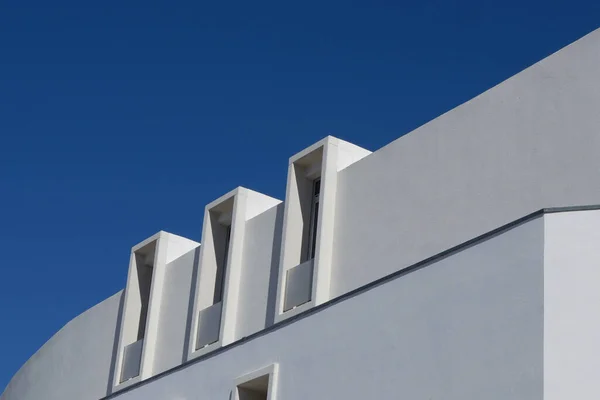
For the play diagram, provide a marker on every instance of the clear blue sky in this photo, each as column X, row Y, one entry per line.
column 122, row 118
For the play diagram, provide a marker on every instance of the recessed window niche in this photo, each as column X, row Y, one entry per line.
column 215, row 309
column 142, row 299
column 215, row 256
column 138, row 300
column 258, row 385
column 308, row 227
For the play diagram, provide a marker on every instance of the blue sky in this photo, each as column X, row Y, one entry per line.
column 122, row 118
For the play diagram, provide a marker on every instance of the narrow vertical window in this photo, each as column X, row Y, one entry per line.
column 221, row 269
column 314, row 218
column 298, row 284
column 302, row 230
column 215, row 259
column 145, row 267
column 139, row 298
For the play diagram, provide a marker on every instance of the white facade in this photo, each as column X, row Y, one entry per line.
column 432, row 268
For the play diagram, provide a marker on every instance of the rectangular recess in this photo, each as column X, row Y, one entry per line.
column 257, row 385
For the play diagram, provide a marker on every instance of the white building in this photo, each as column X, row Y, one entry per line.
column 461, row 261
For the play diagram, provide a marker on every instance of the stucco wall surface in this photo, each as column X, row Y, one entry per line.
column 466, row 327
column 75, row 363
column 258, row 288
column 173, row 329
column 531, row 142
column 571, row 298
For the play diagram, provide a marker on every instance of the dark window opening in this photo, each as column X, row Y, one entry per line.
column 314, row 218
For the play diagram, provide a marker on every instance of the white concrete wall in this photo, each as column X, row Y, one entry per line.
column 259, row 272
column 531, row 142
column 243, row 204
column 571, row 300
column 167, row 247
column 467, row 327
column 75, row 364
column 322, row 160
column 172, row 340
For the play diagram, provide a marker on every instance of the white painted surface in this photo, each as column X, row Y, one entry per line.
column 245, row 204
column 296, row 215
column 571, row 301
column 75, row 364
column 251, row 204
column 171, row 345
column 154, row 305
column 530, row 142
column 167, row 247
column 259, row 272
column 323, row 159
column 467, row 327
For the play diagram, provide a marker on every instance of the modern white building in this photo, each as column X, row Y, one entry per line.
column 461, row 261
